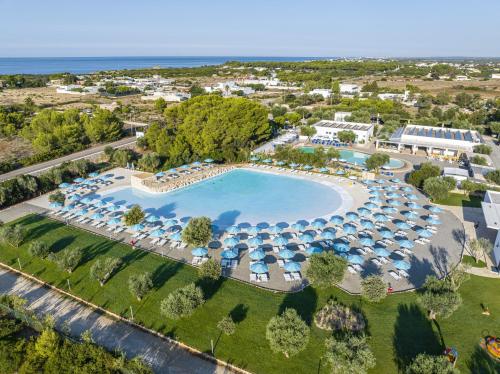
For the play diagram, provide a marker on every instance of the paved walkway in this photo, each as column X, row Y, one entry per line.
column 163, row 356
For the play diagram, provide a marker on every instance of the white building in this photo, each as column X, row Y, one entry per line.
column 456, row 173
column 76, row 89
column 328, row 130
column 462, row 78
column 228, row 88
column 168, row 96
column 325, row 92
column 394, row 96
column 349, row 89
column 491, row 211
column 495, row 76
column 437, row 141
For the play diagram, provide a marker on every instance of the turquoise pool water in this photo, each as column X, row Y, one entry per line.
column 239, row 196
column 359, row 158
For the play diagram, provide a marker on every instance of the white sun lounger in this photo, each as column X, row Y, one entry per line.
column 404, row 274
column 101, row 224
column 395, row 275
column 287, row 277
column 154, row 241
column 253, row 277
column 110, row 228
column 351, row 269
column 162, row 242
column 368, row 250
column 96, row 223
column 296, row 276
column 383, row 260
column 281, row 263
column 376, row 262
column 357, row 267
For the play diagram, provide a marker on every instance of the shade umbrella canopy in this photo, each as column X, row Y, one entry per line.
column 229, row 254
column 394, row 202
column 381, row 251
column 152, row 218
column 389, row 209
column 406, row 189
column 208, row 160
column 405, row 243
column 412, row 196
column 97, row 216
column 298, row 226
column 113, row 208
column 396, row 180
column 275, row 229
column 79, row 180
column 258, row 254
column 293, row 165
column 281, row 163
column 314, row 250
column 100, row 204
column 292, row 266
column 170, row 222
column 424, row 233
column 386, row 234
column 286, row 254
column 67, row 208
column 328, row 234
column 64, row 185
column 160, row 174
column 402, row 225
column 318, row 224
column 349, row 229
column 184, row 166
column 365, row 212
column 82, row 212
column 374, row 188
column 368, row 181
column 280, row 240
column 380, row 181
column 370, row 205
column 393, row 195
column 413, row 205
column 308, row 167
column 74, row 197
column 435, row 209
column 323, row 170
column 173, row 170
column 432, row 220
column 233, row 229
column 379, row 217
column 340, row 172
column 259, row 268
column 198, row 163
column 389, row 188
column 369, row 242
column 176, row 236
column 157, row 233
column 113, row 222
column 367, row 224
column 401, row 265
column 351, row 216
column 341, row 247
column 232, row 241
column 374, row 193
column 306, row 238
column 199, row 251
column 86, row 200
column 56, row 204
column 410, row 214
column 355, row 259
column 254, row 158
column 375, row 199
column 137, row 227
column 255, row 241
column 337, row 220
column 267, row 161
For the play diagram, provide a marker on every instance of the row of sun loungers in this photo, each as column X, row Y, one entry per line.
column 290, row 277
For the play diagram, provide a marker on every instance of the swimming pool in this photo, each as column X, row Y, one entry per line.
column 359, row 158
column 241, row 196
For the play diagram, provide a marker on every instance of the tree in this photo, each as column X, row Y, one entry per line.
column 46, row 344
column 493, row 176
column 198, row 231
column 425, row 171
column 38, row 249
column 373, row 288
column 483, row 149
column 68, row 259
column 121, row 157
column 287, row 333
column 57, row 197
column 307, row 131
column 182, row 302
column 149, row 162
column 140, row 284
column 160, row 104
column 495, row 128
column 352, row 354
column 326, row 269
column 210, row 269
column 133, row 216
column 196, row 90
column 439, row 298
column 480, row 247
column 478, row 160
column 13, row 235
column 103, row 268
column 346, row 136
column 438, row 188
column 470, row 187
column 376, row 161
column 332, row 153
column 428, row 364
column 226, row 325
column 103, row 126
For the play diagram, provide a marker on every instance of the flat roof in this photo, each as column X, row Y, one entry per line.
column 456, row 171
column 344, row 125
column 440, row 133
column 491, row 210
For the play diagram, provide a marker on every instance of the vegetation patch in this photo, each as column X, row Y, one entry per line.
column 335, row 316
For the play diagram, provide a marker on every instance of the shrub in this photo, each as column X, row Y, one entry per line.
column 326, row 269
column 424, row 363
column 376, row 161
column 351, row 354
column 438, row 188
column 439, row 298
column 493, row 176
column 57, row 197
column 198, row 231
column 478, row 160
column 210, row 269
column 149, row 162
column 182, row 302
column 103, row 268
column 140, row 284
column 338, row 317
column 287, row 333
column 38, row 249
column 483, row 149
column 134, row 216
column 13, row 235
column 227, row 325
column 373, row 288
column 425, row 171
column 68, row 259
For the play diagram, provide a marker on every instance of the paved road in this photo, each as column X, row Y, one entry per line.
column 35, row 169
column 161, row 355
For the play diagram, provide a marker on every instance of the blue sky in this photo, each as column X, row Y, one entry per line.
column 249, row 28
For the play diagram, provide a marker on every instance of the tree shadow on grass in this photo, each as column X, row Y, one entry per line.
column 62, row 243
column 164, row 272
column 481, row 363
column 413, row 334
column 239, row 313
column 36, row 232
column 304, row 303
column 92, row 251
column 210, row 286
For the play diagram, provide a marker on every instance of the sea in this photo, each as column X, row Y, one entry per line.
column 82, row 65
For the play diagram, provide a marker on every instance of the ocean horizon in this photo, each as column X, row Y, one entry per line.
column 83, row 65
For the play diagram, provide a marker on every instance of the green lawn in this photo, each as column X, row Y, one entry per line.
column 469, row 260
column 398, row 329
column 458, row 199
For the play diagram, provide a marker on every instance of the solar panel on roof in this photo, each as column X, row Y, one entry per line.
column 468, row 136
column 458, row 135
column 421, row 132
column 439, row 134
column 447, row 134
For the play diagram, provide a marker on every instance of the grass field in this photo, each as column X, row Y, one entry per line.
column 458, row 199
column 469, row 260
column 397, row 327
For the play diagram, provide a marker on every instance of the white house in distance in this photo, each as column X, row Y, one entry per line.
column 229, row 87
column 495, row 76
column 437, row 141
column 348, row 89
column 328, row 130
column 170, row 96
column 76, row 89
column 491, row 211
column 325, row 92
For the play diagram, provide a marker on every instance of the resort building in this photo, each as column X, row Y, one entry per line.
column 167, row 96
column 347, row 89
column 435, row 141
column 328, row 130
column 456, row 173
column 228, row 88
column 491, row 211
column 325, row 92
